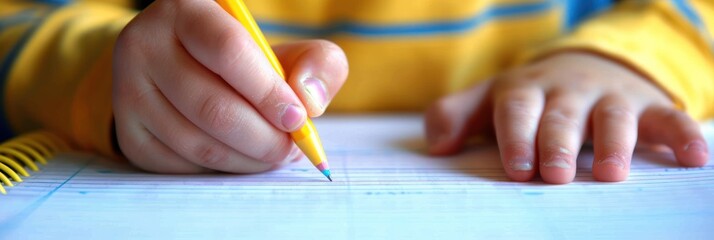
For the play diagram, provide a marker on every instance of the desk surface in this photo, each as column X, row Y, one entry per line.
column 385, row 187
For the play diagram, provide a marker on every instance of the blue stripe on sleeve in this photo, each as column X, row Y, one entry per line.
column 578, row 10
column 409, row 30
column 693, row 18
column 19, row 18
column 686, row 10
column 54, row 2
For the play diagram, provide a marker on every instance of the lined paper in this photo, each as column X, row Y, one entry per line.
column 385, row 187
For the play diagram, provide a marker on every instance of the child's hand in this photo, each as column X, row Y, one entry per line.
column 543, row 112
column 193, row 92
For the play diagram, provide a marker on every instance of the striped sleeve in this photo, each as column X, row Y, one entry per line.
column 55, row 69
column 17, row 23
column 669, row 41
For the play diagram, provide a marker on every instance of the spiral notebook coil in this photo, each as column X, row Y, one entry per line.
column 23, row 153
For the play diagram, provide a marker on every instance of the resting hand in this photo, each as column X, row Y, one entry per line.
column 542, row 113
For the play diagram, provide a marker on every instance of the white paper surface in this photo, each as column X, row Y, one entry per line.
column 385, row 187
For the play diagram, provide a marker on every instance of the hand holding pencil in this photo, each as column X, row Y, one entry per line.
column 193, row 91
column 306, row 137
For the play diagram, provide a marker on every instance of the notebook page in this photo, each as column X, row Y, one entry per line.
column 385, row 187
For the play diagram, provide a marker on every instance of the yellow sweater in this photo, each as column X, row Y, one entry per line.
column 55, row 57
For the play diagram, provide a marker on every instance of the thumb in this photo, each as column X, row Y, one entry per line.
column 315, row 69
column 451, row 119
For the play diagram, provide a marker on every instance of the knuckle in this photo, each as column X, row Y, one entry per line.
column 519, row 106
column 557, row 151
column 518, row 94
column 211, row 155
column 126, row 40
column 130, row 36
column 675, row 116
column 522, row 77
column 270, row 97
column 580, row 89
column 517, row 102
column 137, row 98
column 127, row 95
column 135, row 32
column 218, row 115
column 618, row 113
column 234, row 45
column 129, row 48
column 531, row 74
column 564, row 117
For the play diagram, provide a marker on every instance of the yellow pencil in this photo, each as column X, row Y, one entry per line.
column 306, row 137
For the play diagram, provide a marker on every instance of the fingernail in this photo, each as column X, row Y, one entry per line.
column 614, row 161
column 316, row 91
column 557, row 160
column 292, row 117
column 521, row 164
column 557, row 163
column 696, row 147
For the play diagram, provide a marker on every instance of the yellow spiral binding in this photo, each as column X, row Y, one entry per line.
column 23, row 152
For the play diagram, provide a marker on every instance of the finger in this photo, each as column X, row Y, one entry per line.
column 136, row 143
column 211, row 105
column 316, row 70
column 517, row 111
column 561, row 134
column 221, row 44
column 449, row 120
column 614, row 138
column 155, row 156
column 191, row 143
column 677, row 130
column 144, row 151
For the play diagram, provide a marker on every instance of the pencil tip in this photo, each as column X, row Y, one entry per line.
column 327, row 173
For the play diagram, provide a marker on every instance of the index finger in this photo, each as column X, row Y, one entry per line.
column 223, row 45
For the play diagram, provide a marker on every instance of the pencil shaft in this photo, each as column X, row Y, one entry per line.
column 305, row 138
